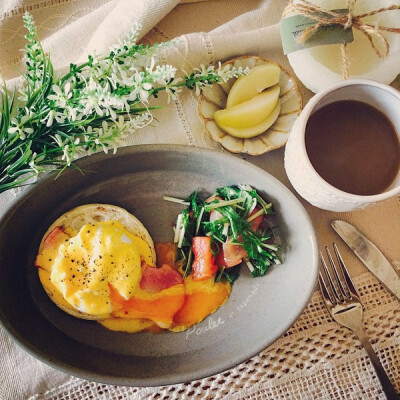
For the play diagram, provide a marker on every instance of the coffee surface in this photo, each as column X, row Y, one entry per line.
column 353, row 146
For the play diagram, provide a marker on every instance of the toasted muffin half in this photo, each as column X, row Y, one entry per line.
column 68, row 225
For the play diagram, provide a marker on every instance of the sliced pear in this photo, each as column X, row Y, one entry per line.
column 256, row 130
column 248, row 86
column 251, row 112
column 272, row 138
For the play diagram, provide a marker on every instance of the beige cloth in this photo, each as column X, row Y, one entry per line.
column 315, row 359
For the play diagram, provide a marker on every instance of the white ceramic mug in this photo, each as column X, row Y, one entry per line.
column 307, row 182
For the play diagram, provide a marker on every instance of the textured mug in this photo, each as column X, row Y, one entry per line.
column 302, row 175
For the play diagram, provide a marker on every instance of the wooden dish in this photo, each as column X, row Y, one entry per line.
column 214, row 98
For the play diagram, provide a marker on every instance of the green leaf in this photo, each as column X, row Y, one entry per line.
column 22, row 160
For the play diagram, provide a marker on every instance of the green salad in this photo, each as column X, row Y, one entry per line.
column 217, row 234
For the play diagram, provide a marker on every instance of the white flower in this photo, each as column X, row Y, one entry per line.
column 120, row 76
column 109, row 111
column 120, row 123
column 90, row 98
column 172, row 90
column 111, row 136
column 163, row 74
column 67, row 155
column 110, row 102
column 212, row 75
column 140, row 89
column 60, row 97
column 203, row 70
column 72, row 113
column 53, row 115
column 130, row 40
column 97, row 71
column 35, row 159
column 58, row 139
column 227, row 72
column 68, row 151
column 27, row 116
column 19, row 127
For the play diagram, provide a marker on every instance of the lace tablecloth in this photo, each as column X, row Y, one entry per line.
column 315, row 358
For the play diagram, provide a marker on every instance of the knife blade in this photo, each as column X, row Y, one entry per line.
column 370, row 255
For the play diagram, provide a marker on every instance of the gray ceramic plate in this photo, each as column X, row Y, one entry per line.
column 257, row 312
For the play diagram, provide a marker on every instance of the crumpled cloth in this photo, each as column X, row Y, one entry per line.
column 222, row 29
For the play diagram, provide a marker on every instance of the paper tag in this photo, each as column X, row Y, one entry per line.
column 293, row 26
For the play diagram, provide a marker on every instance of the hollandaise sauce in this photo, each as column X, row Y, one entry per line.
column 105, row 273
column 81, row 265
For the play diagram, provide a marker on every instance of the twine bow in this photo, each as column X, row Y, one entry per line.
column 346, row 20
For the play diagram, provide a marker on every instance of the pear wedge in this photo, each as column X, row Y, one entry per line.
column 255, row 130
column 259, row 78
column 251, row 112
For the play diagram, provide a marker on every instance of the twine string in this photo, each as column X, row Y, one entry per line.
column 373, row 33
column 345, row 61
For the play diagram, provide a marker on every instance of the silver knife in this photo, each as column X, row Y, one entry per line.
column 370, row 255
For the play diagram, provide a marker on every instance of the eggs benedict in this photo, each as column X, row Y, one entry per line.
column 86, row 250
column 98, row 262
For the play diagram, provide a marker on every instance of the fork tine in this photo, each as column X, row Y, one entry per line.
column 350, row 286
column 325, row 293
column 339, row 280
column 330, row 281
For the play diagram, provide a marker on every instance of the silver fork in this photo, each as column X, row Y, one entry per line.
column 343, row 303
